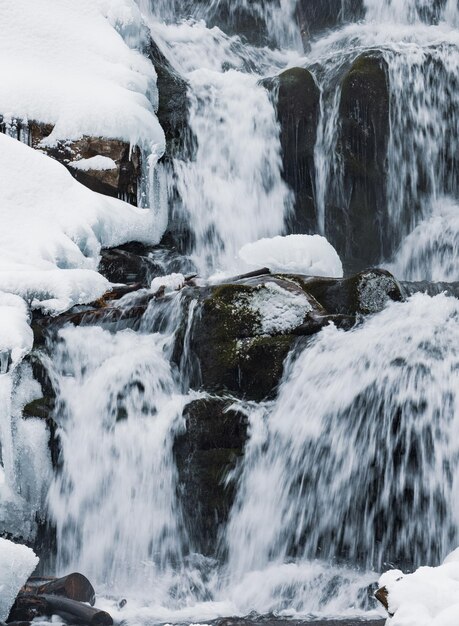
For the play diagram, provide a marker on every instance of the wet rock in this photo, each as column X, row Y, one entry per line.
column 360, row 231
column 206, row 453
column 317, row 16
column 173, row 109
column 298, row 106
column 365, row 293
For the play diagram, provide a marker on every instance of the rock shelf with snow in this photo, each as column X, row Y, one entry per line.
column 229, row 282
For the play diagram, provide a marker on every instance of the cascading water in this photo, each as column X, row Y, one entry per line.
column 364, row 420
column 231, row 192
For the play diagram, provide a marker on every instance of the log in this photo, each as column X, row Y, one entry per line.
column 73, row 586
column 27, row 607
column 76, row 612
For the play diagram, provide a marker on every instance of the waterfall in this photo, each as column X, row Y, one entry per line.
column 231, row 191
column 120, row 407
column 354, row 464
column 365, row 420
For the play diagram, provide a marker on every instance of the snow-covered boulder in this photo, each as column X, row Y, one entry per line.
column 312, row 255
column 427, row 597
column 17, row 563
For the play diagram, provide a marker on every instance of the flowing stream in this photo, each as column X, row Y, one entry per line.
column 354, row 466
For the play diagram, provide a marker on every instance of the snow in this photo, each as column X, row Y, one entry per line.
column 172, row 282
column 17, row 563
column 278, row 310
column 98, row 162
column 77, row 72
column 428, row 597
column 53, row 229
column 312, row 255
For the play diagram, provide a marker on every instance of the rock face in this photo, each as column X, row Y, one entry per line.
column 360, row 232
column 298, row 105
column 119, row 182
column 206, row 454
column 316, row 16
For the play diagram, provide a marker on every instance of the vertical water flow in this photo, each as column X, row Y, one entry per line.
column 359, row 459
column 113, row 501
column 231, row 191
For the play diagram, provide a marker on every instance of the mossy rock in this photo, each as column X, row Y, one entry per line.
column 233, row 348
column 316, row 16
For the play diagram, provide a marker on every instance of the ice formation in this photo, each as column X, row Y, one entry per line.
column 16, row 565
column 297, row 254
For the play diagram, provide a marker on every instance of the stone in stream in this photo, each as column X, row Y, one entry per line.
column 297, row 98
column 361, row 232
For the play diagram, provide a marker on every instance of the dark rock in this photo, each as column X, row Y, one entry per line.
column 360, row 232
column 317, row 16
column 173, row 107
column 365, row 293
column 298, row 107
column 206, row 453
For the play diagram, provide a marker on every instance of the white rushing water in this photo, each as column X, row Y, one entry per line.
column 231, row 191
column 113, row 502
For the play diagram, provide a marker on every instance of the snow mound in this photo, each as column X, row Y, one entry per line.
column 312, row 255
column 78, row 70
column 428, row 597
column 16, row 565
column 53, row 229
column 16, row 336
column 98, row 162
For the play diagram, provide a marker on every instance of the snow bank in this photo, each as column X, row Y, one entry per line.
column 428, row 597
column 98, row 162
column 53, row 229
column 296, row 254
column 66, row 63
column 16, row 565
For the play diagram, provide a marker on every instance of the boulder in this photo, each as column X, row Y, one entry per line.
column 359, row 228
column 363, row 294
column 206, row 453
column 298, row 108
column 244, row 330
